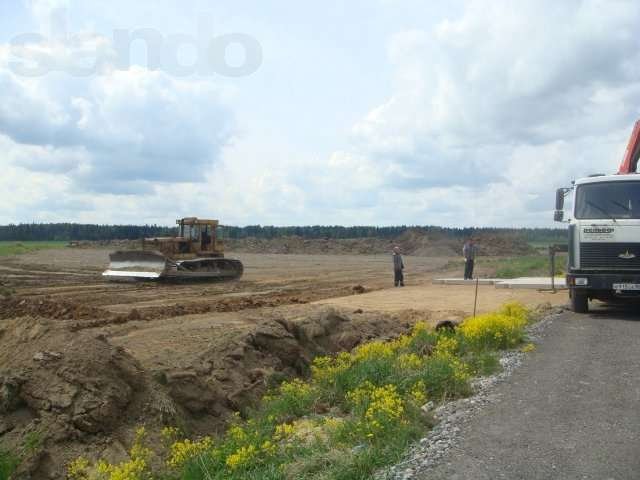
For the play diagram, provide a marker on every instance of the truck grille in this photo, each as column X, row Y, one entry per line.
column 606, row 256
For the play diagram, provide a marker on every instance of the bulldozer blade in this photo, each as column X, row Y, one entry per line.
column 135, row 265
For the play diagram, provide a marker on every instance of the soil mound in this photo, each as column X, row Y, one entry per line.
column 415, row 241
column 86, row 316
column 63, row 387
column 12, row 307
column 82, row 395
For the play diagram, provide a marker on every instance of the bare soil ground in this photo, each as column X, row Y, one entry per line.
column 83, row 361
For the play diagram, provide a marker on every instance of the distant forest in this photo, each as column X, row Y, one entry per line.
column 75, row 231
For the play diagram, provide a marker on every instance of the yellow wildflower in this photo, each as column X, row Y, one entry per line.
column 241, row 457
column 419, row 328
column 170, row 433
column 268, row 447
column 400, row 343
column 295, row 388
column 103, row 467
column 496, row 330
column 529, row 347
column 182, row 451
column 325, row 369
column 134, row 469
column 333, row 423
column 237, row 433
column 418, row 392
column 361, row 394
column 446, row 345
column 372, row 350
column 283, row 431
column 78, row 469
column 385, row 403
column 515, row 310
column 409, row 361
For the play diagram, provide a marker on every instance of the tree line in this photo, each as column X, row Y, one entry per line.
column 77, row 231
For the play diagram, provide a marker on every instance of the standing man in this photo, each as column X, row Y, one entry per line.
column 469, row 251
column 398, row 266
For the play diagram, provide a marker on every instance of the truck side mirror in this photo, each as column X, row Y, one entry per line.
column 560, row 198
column 558, row 215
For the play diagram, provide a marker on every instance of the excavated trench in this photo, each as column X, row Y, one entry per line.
column 85, row 391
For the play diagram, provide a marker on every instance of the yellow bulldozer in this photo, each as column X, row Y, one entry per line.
column 195, row 254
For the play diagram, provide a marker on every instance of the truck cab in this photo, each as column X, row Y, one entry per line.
column 604, row 238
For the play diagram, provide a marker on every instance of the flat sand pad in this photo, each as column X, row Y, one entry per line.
column 442, row 298
column 535, row 283
column 461, row 281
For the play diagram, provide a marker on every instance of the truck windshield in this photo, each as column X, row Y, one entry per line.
column 608, row 200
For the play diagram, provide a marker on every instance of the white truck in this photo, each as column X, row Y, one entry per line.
column 604, row 233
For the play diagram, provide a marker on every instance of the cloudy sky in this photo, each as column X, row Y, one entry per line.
column 463, row 113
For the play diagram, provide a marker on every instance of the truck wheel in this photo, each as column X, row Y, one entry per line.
column 579, row 302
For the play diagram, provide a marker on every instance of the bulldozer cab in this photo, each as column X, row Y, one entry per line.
column 198, row 235
column 196, row 238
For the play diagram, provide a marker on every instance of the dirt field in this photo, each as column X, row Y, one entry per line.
column 83, row 361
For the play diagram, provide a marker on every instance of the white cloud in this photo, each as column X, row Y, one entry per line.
column 507, row 102
column 488, row 112
column 132, row 127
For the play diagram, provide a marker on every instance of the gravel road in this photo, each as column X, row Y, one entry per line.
column 571, row 411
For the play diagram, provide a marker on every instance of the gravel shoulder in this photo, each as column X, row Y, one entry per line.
column 569, row 411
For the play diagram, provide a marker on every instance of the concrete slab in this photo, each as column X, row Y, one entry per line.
column 535, row 283
column 461, row 281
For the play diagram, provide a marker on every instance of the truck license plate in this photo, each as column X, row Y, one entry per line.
column 626, row 286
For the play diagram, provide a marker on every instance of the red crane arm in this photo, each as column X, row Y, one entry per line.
column 630, row 162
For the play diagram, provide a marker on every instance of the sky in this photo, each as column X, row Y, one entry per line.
column 379, row 112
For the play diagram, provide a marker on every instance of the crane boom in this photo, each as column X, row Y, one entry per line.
column 632, row 154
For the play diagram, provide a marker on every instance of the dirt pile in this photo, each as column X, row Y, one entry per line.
column 299, row 245
column 418, row 242
column 414, row 241
column 495, row 245
column 64, row 388
column 86, row 316
column 115, row 244
column 83, row 395
column 13, row 307
column 232, row 304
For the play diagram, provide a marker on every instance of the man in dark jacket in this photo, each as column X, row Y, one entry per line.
column 469, row 251
column 398, row 267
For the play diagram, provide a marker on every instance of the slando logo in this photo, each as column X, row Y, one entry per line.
column 85, row 54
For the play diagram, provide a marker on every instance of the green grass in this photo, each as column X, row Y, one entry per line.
column 545, row 244
column 8, row 464
column 527, row 266
column 18, row 248
column 10, row 461
column 513, row 267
